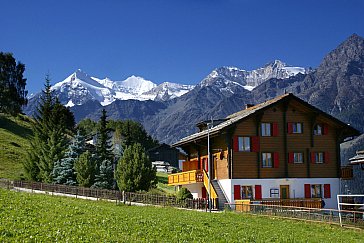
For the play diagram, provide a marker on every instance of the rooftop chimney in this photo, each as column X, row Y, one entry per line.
column 248, row 106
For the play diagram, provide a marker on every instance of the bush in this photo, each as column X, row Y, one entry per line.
column 183, row 194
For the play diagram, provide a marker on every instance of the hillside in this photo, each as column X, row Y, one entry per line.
column 15, row 133
column 45, row 218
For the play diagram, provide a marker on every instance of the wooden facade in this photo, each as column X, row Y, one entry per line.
column 281, row 114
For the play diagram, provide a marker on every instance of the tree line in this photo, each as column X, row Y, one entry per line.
column 116, row 157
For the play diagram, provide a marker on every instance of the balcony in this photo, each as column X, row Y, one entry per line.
column 346, row 173
column 183, row 178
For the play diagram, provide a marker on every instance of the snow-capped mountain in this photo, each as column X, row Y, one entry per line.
column 226, row 77
column 79, row 87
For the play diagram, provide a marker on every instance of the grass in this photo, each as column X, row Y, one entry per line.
column 162, row 184
column 45, row 218
column 15, row 133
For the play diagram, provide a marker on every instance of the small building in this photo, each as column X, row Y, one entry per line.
column 281, row 149
column 166, row 153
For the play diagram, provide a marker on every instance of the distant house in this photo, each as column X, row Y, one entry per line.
column 281, row 149
column 166, row 153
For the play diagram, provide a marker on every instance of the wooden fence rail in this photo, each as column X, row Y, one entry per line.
column 126, row 197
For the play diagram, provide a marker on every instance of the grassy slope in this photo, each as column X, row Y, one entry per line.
column 15, row 133
column 163, row 184
column 31, row 217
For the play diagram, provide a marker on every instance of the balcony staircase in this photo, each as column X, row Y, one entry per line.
column 220, row 194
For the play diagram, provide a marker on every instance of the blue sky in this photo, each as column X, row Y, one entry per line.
column 170, row 40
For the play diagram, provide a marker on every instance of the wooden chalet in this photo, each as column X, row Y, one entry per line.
column 281, row 149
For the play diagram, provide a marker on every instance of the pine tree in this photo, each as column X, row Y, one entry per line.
column 85, row 169
column 134, row 170
column 50, row 141
column 63, row 171
column 105, row 178
column 103, row 146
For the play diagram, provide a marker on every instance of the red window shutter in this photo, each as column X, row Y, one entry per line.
column 255, row 144
column 290, row 127
column 258, row 192
column 326, row 129
column 275, row 160
column 327, row 191
column 327, row 157
column 204, row 192
column 307, row 191
column 236, row 144
column 290, row 158
column 275, row 129
column 237, row 194
column 313, row 160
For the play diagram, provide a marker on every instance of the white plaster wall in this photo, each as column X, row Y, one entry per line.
column 296, row 186
column 195, row 189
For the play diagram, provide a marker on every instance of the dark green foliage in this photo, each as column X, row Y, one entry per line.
column 85, row 169
column 134, row 170
column 103, row 144
column 183, row 194
column 130, row 132
column 87, row 127
column 50, row 141
column 105, row 178
column 63, row 171
column 12, row 85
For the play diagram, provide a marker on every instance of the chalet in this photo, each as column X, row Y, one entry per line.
column 164, row 152
column 283, row 148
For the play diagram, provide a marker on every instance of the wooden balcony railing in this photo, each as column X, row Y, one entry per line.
column 296, row 202
column 346, row 172
column 187, row 177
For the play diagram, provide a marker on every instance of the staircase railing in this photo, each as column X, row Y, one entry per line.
column 206, row 184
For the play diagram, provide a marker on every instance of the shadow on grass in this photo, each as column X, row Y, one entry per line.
column 15, row 128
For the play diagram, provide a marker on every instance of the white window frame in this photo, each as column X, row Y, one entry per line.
column 274, row 193
column 316, row 191
column 318, row 130
column 298, row 158
column 266, row 129
column 244, row 144
column 319, row 157
column 297, row 127
column 267, row 160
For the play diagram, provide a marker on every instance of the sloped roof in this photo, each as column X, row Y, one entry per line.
column 240, row 115
column 358, row 158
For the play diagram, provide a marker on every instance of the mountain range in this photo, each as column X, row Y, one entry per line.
column 170, row 111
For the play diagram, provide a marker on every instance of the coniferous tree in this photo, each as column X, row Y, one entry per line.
column 103, row 145
column 63, row 171
column 134, row 170
column 105, row 178
column 50, row 141
column 85, row 169
column 12, row 85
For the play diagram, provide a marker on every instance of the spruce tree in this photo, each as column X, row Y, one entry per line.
column 105, row 178
column 85, row 169
column 134, row 170
column 50, row 141
column 63, row 171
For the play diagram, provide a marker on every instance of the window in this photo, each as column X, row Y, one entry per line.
column 267, row 160
column 266, row 129
column 244, row 144
column 318, row 129
column 274, row 193
column 297, row 127
column 298, row 158
column 316, row 191
column 246, row 192
column 319, row 157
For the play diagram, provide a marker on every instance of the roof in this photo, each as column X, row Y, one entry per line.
column 243, row 114
column 358, row 158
